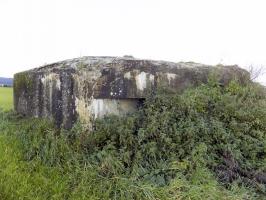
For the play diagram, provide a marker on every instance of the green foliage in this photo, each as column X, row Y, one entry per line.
column 177, row 146
column 230, row 120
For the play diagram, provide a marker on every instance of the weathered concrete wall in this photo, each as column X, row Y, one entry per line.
column 90, row 87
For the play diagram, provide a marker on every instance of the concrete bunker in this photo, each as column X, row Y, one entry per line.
column 91, row 87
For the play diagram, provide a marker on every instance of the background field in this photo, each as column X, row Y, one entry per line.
column 6, row 98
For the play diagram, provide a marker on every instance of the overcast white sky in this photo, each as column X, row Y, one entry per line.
column 34, row 32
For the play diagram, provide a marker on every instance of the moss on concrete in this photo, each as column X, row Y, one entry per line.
column 23, row 81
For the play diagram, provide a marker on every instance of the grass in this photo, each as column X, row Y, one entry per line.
column 6, row 98
column 30, row 180
column 26, row 180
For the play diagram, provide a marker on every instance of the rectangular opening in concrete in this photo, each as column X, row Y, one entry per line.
column 120, row 107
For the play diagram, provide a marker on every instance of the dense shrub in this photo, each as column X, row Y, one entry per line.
column 210, row 125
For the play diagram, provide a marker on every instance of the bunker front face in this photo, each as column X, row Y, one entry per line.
column 91, row 87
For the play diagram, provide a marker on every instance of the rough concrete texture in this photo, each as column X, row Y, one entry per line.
column 91, row 87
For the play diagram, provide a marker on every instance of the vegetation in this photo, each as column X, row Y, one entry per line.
column 6, row 98
column 23, row 80
column 207, row 143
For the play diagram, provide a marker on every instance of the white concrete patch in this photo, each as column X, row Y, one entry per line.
column 102, row 107
column 127, row 75
column 170, row 77
column 151, row 78
column 58, row 84
column 49, row 79
column 141, row 81
column 97, row 108
column 43, row 80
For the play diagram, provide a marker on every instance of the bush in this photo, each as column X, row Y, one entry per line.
column 227, row 123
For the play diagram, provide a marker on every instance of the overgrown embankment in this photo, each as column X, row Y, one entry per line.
column 207, row 143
